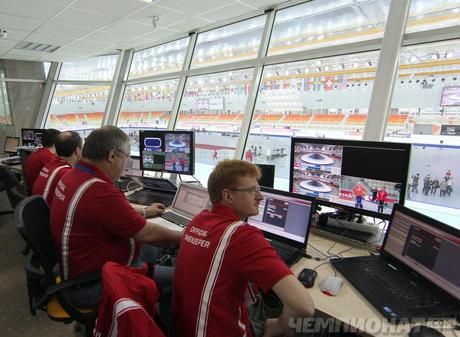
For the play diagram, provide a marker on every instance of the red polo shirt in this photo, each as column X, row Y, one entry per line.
column 218, row 257
column 34, row 163
column 92, row 222
column 46, row 181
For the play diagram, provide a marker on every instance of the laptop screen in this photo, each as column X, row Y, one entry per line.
column 11, row 145
column 191, row 199
column 427, row 246
column 284, row 216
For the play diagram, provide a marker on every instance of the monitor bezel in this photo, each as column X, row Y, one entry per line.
column 342, row 142
column 28, row 129
column 18, row 139
column 191, row 170
column 291, row 242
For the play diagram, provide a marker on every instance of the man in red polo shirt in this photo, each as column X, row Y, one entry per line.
column 68, row 148
column 221, row 256
column 36, row 160
column 92, row 222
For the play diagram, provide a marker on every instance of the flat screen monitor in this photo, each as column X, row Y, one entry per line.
column 268, row 175
column 363, row 177
column 450, row 96
column 167, row 151
column 32, row 137
column 11, row 145
column 284, row 216
column 433, row 170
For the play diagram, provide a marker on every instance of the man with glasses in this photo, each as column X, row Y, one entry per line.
column 92, row 221
column 221, row 257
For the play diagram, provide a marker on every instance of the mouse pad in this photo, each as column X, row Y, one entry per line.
column 148, row 197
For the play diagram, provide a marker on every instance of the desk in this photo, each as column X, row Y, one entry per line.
column 349, row 306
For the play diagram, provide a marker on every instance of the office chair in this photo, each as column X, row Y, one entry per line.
column 128, row 302
column 45, row 289
column 10, row 181
column 3, row 188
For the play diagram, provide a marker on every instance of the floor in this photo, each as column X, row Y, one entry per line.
column 15, row 318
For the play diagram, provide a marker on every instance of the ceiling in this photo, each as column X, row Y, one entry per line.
column 84, row 28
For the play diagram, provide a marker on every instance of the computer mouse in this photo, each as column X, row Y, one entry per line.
column 307, row 277
column 331, row 285
column 424, row 331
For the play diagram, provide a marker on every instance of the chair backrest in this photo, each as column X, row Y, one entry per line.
column 9, row 182
column 33, row 224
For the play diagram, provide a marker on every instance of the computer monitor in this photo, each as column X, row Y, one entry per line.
column 133, row 167
column 268, row 175
column 362, row 177
column 167, row 151
column 284, row 216
column 431, row 183
column 31, row 137
column 11, row 145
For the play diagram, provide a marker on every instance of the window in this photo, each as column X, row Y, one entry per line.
column 426, row 98
column 166, row 58
column 146, row 106
column 5, row 116
column 236, row 42
column 77, row 107
column 428, row 15
column 326, row 97
column 213, row 105
column 324, row 23
column 99, row 68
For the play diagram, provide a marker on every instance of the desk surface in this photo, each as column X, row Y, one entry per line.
column 349, row 306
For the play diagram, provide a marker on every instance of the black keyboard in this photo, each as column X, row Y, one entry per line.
column 12, row 161
column 287, row 253
column 409, row 293
column 176, row 219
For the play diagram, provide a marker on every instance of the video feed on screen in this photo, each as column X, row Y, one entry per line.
column 365, row 176
column 31, row 137
column 169, row 151
column 433, row 169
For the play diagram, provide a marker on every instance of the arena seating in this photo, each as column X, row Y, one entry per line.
column 327, row 119
column 356, row 119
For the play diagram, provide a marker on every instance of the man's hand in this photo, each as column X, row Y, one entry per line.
column 155, row 209
column 274, row 328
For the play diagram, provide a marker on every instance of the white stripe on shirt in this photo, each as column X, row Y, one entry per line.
column 212, row 276
column 49, row 182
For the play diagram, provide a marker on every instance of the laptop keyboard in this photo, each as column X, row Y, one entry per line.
column 176, row 218
column 288, row 254
column 410, row 293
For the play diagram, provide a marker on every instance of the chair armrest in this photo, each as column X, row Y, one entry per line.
column 94, row 276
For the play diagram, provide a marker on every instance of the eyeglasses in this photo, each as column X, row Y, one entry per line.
column 123, row 152
column 247, row 190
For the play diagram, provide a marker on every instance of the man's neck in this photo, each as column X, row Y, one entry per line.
column 52, row 149
column 101, row 165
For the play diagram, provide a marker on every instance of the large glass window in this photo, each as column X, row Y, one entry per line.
column 166, row 58
column 426, row 98
column 236, row 42
column 213, row 105
column 427, row 15
column 326, row 97
column 325, row 23
column 146, row 106
column 99, row 68
column 5, row 116
column 77, row 107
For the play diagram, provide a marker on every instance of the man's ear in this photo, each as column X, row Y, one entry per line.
column 111, row 156
column 226, row 196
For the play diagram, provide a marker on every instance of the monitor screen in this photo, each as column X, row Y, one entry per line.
column 11, row 145
column 132, row 167
column 427, row 246
column 431, row 182
column 31, row 137
column 450, row 96
column 363, row 177
column 284, row 216
column 268, row 175
column 167, row 151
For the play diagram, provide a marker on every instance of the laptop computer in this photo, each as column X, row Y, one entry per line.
column 285, row 219
column 417, row 274
column 188, row 202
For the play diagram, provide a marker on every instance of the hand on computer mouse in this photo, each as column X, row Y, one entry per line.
column 307, row 277
column 154, row 209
